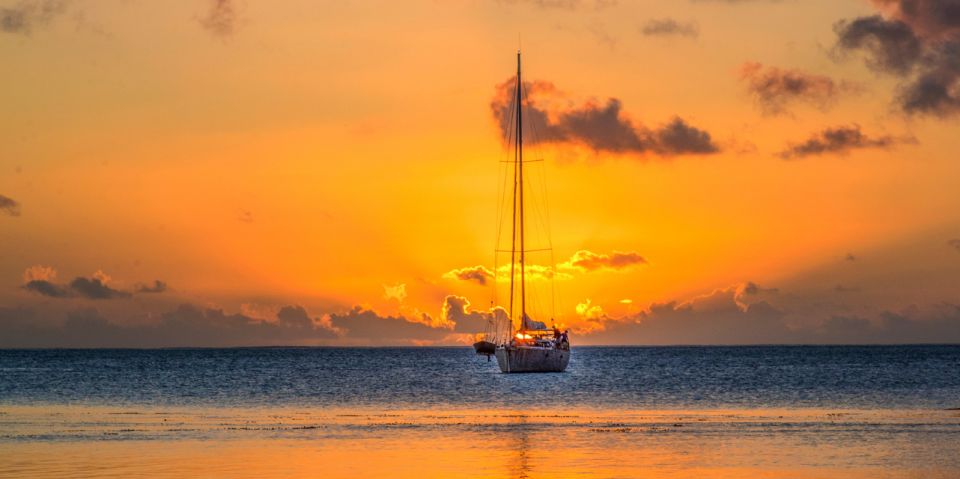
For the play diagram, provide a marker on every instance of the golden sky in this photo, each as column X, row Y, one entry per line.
column 320, row 172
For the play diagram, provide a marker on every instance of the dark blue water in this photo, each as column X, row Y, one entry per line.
column 603, row 377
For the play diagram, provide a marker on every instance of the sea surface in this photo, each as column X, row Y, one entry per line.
column 765, row 411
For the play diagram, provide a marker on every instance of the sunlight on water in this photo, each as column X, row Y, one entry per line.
column 100, row 441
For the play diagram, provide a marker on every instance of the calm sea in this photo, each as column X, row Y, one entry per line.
column 863, row 377
column 839, row 412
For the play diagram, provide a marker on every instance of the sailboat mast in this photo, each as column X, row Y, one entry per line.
column 513, row 224
column 519, row 160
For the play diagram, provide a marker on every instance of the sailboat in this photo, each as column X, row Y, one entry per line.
column 530, row 347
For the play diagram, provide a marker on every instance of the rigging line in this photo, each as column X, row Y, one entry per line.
column 502, row 187
column 546, row 215
column 519, row 146
column 502, row 200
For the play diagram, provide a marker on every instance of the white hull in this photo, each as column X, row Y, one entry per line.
column 526, row 359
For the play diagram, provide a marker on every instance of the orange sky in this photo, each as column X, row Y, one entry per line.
column 256, row 155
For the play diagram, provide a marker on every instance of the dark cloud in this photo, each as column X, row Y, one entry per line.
column 775, row 88
column 917, row 41
column 476, row 274
column 598, row 126
column 39, row 280
column 954, row 243
column 589, row 261
column 23, row 16
column 891, row 45
column 670, row 27
column 9, row 207
column 752, row 289
column 157, row 287
column 46, row 288
column 187, row 326
column 456, row 311
column 221, row 18
column 839, row 140
column 677, row 137
column 368, row 326
column 723, row 317
column 850, row 257
column 94, row 288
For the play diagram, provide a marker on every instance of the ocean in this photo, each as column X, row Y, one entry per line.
column 749, row 411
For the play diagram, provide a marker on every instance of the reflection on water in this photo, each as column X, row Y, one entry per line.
column 99, row 441
column 522, row 447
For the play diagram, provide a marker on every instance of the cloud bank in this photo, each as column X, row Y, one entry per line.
column 749, row 314
column 187, row 326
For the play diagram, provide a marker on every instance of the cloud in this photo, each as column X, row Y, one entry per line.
column 186, row 326
column 46, row 288
column 589, row 261
column 366, row 326
column 748, row 315
column 39, row 272
column 40, row 280
column 850, row 257
column 891, row 45
column 840, row 140
column 749, row 293
column 477, row 274
column 775, row 88
column 23, row 16
column 590, row 311
column 954, row 243
column 95, row 288
column 670, row 27
column 456, row 311
column 532, row 272
column 600, row 126
column 9, row 207
column 917, row 41
column 157, row 287
column 397, row 292
column 221, row 18
column 193, row 326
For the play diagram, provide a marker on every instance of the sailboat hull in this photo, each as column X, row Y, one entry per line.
column 532, row 360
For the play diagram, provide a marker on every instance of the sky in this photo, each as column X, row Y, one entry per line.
column 239, row 172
